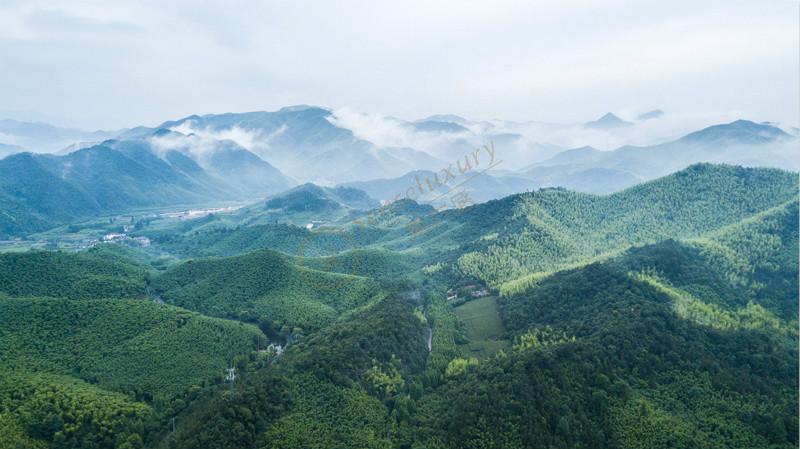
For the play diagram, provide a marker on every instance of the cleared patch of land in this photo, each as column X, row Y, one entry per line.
column 483, row 326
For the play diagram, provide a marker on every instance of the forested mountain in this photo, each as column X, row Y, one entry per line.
column 6, row 149
column 663, row 315
column 480, row 230
column 201, row 159
column 34, row 199
column 529, row 233
column 333, row 389
column 620, row 354
column 96, row 273
column 217, row 164
column 308, row 203
column 263, row 286
column 310, row 197
column 557, row 227
column 153, row 351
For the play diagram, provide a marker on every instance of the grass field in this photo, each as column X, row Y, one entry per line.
column 484, row 328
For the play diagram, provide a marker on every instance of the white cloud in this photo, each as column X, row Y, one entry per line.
column 236, row 134
column 390, row 132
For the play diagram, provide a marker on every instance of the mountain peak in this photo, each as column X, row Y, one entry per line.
column 608, row 121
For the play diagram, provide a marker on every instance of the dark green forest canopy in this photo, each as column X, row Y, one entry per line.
column 100, row 272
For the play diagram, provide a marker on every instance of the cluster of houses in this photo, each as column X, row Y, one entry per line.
column 474, row 292
column 113, row 237
column 116, row 237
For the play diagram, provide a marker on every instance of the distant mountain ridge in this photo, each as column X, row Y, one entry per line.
column 303, row 143
column 479, row 186
column 39, row 191
column 242, row 156
column 741, row 142
column 37, row 136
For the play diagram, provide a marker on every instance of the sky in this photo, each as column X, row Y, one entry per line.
column 112, row 64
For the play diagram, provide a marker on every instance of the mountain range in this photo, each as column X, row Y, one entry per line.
column 740, row 142
column 247, row 156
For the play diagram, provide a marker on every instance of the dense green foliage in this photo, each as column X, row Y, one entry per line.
column 759, row 254
column 288, row 239
column 310, row 197
column 320, row 391
column 97, row 273
column 265, row 286
column 45, row 411
column 373, row 263
column 149, row 350
column 629, row 371
column 554, row 228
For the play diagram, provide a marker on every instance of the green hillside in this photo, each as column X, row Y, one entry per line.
column 41, row 411
column 759, row 254
column 606, row 357
column 554, row 228
column 148, row 350
column 347, row 386
column 42, row 191
column 264, row 286
column 502, row 240
column 101, row 272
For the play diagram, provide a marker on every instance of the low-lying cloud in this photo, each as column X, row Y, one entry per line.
column 526, row 142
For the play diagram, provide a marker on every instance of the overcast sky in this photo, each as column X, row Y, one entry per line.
column 110, row 64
